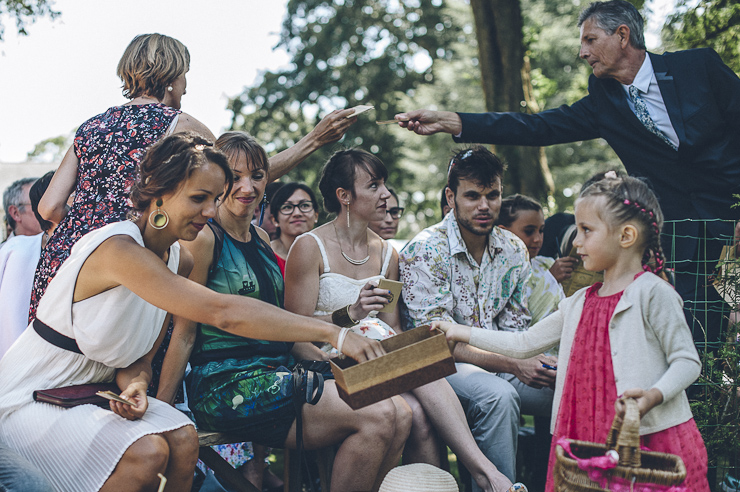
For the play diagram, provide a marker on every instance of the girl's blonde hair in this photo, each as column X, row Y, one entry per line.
column 631, row 199
column 150, row 63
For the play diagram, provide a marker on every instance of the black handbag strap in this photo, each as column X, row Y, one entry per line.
column 54, row 337
column 306, row 376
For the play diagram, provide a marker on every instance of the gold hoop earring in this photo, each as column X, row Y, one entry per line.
column 347, row 215
column 159, row 219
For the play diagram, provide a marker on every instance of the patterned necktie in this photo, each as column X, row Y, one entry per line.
column 641, row 111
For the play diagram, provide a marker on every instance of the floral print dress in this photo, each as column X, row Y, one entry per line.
column 109, row 147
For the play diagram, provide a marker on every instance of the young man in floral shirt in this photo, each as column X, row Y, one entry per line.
column 466, row 270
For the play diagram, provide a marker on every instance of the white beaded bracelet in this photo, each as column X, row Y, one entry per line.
column 340, row 339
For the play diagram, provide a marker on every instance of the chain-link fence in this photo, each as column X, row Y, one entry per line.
column 709, row 282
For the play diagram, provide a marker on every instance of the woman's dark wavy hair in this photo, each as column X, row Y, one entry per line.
column 171, row 161
column 340, row 172
column 285, row 192
column 631, row 199
column 512, row 205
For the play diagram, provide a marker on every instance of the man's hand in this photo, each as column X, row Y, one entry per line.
column 563, row 268
column 532, row 373
column 426, row 122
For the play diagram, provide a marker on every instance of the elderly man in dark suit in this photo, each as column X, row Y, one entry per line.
column 672, row 118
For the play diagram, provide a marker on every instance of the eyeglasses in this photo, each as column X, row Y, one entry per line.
column 396, row 212
column 304, row 207
column 458, row 158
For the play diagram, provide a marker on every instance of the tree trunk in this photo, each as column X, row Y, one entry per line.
column 507, row 87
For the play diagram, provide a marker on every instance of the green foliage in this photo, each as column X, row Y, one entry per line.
column 25, row 12
column 560, row 77
column 51, row 149
column 707, row 23
column 717, row 411
column 344, row 53
column 349, row 52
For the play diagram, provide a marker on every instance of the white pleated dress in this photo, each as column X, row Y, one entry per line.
column 78, row 448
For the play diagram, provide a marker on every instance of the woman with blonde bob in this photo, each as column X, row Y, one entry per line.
column 100, row 166
column 104, row 316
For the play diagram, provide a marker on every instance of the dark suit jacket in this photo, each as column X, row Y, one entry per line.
column 702, row 96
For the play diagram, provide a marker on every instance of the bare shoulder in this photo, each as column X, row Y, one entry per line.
column 200, row 249
column 187, row 123
column 305, row 248
column 263, row 235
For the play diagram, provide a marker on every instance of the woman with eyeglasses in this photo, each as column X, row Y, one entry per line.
column 294, row 211
column 388, row 227
column 244, row 385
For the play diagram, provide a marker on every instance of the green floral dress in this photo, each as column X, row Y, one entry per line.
column 241, row 385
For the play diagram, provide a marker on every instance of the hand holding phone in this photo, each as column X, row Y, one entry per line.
column 394, row 287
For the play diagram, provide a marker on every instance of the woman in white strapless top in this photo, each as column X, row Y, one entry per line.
column 332, row 273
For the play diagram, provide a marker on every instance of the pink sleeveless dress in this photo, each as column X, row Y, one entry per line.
column 587, row 405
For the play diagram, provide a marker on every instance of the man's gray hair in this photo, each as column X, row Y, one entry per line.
column 13, row 195
column 610, row 15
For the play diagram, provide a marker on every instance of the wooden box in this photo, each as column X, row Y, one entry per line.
column 414, row 358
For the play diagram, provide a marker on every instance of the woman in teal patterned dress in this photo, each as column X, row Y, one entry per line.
column 244, row 386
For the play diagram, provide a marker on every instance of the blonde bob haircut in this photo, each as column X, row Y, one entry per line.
column 150, row 63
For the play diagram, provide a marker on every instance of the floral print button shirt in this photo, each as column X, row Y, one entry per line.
column 442, row 281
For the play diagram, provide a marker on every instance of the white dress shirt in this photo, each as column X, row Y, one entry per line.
column 646, row 82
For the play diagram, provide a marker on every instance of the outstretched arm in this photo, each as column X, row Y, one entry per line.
column 330, row 129
column 426, row 122
column 121, row 261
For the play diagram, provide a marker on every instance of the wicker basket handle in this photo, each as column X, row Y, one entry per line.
column 624, row 435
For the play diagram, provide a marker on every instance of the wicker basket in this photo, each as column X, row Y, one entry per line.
column 635, row 466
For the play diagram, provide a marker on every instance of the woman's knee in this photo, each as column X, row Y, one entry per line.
column 387, row 418
column 150, row 453
column 183, row 442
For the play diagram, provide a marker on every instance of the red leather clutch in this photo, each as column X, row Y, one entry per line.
column 71, row 396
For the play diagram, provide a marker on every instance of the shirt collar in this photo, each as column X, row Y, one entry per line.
column 644, row 76
column 457, row 243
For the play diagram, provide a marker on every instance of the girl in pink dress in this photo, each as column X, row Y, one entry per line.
column 626, row 336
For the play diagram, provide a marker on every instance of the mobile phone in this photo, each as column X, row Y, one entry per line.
column 109, row 395
column 394, row 287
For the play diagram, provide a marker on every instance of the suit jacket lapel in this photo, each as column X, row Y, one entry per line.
column 668, row 91
column 618, row 97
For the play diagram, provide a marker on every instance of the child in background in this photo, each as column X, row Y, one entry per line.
column 626, row 336
column 523, row 216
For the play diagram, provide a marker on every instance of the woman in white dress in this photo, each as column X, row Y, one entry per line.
column 102, row 319
column 332, row 273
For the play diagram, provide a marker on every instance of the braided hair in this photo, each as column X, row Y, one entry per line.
column 631, row 199
column 169, row 162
